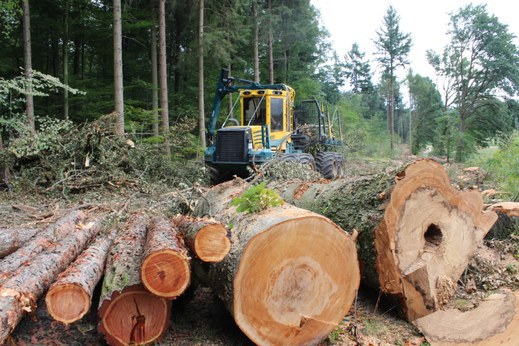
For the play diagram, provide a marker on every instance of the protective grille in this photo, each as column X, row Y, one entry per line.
column 231, row 146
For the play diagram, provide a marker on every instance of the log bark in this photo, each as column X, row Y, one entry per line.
column 494, row 322
column 43, row 240
column 30, row 281
column 208, row 239
column 129, row 314
column 70, row 297
column 416, row 232
column 165, row 269
column 291, row 275
column 11, row 239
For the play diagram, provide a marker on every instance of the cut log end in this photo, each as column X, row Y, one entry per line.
column 166, row 273
column 212, row 243
column 494, row 322
column 67, row 303
column 134, row 316
column 429, row 233
column 295, row 294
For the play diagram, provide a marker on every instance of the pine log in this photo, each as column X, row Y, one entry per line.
column 291, row 274
column 29, row 282
column 416, row 232
column 70, row 296
column 11, row 239
column 165, row 269
column 208, row 239
column 43, row 240
column 129, row 314
column 494, row 322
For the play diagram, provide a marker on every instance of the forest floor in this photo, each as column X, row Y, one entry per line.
column 199, row 318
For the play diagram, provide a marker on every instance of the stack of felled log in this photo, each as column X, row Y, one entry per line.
column 144, row 265
column 288, row 274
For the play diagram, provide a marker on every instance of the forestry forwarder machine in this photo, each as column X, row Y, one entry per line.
column 269, row 127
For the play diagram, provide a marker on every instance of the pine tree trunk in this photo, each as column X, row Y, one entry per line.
column 255, row 43
column 70, row 297
column 65, row 62
column 11, row 239
column 416, row 232
column 118, row 68
column 28, row 283
column 269, row 44
column 163, row 72
column 201, row 106
column 291, row 275
column 154, row 81
column 208, row 239
column 129, row 314
column 29, row 100
column 165, row 269
column 43, row 240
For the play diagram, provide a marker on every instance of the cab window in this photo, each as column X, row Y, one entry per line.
column 276, row 114
column 254, row 106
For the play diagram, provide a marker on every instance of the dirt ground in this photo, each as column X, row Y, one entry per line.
column 199, row 318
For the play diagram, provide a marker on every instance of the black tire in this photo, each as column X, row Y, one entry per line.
column 327, row 165
column 289, row 158
column 304, row 159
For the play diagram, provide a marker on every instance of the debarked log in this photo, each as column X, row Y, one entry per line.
column 416, row 232
column 291, row 274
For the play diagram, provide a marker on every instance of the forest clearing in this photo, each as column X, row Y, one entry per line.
column 321, row 199
column 369, row 316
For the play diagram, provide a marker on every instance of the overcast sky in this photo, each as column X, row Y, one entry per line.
column 426, row 20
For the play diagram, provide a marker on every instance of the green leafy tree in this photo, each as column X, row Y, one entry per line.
column 393, row 47
column 480, row 62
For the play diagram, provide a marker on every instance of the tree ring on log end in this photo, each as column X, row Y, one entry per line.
column 211, row 243
column 293, row 279
column 166, row 273
column 67, row 303
column 134, row 317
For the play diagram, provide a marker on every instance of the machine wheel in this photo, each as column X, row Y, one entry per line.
column 327, row 165
column 304, row 159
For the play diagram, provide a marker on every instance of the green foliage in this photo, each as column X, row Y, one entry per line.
column 480, row 63
column 503, row 166
column 426, row 108
column 26, row 146
column 257, row 198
